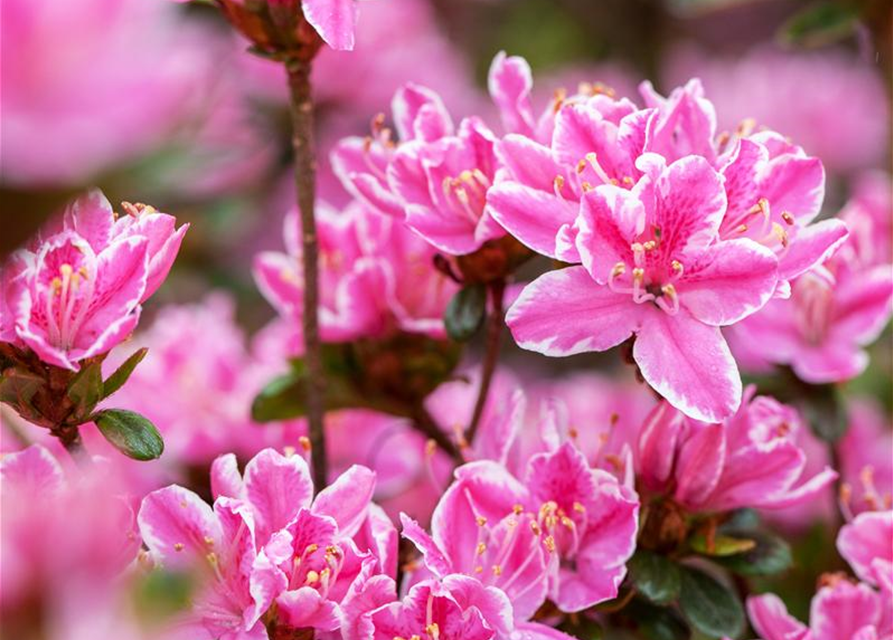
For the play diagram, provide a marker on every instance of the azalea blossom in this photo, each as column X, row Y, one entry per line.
column 842, row 610
column 76, row 291
column 267, row 540
column 377, row 277
column 71, row 568
column 750, row 460
column 654, row 267
column 835, row 309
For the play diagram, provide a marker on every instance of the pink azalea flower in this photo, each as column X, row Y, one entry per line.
column 866, row 464
column 869, row 215
column 654, row 267
column 76, row 291
column 564, row 532
column 267, row 541
column 835, row 310
column 842, row 610
column 63, row 574
column 750, row 460
column 377, row 277
column 110, row 102
column 829, row 101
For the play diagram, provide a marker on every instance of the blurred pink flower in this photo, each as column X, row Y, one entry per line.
column 76, row 291
column 67, row 569
column 750, row 460
column 653, row 266
column 866, row 458
column 91, row 85
column 832, row 104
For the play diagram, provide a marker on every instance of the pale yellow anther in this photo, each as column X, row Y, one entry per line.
column 615, row 182
column 481, row 548
column 312, row 577
column 209, row 541
column 478, row 569
column 638, row 274
column 466, row 176
column 558, row 183
column 66, row 270
column 668, row 290
column 430, row 448
column 628, row 181
column 535, row 527
column 56, row 284
column 787, row 217
column 579, row 508
column 288, row 451
column 433, row 630
column 304, row 441
column 780, row 233
column 549, row 541
column 497, row 570
column 741, row 228
column 567, row 522
column 651, row 245
column 572, row 433
column 84, row 273
column 581, row 166
column 211, row 558
column 367, row 144
column 618, row 270
column 481, row 521
column 587, row 187
column 518, row 509
column 178, row 546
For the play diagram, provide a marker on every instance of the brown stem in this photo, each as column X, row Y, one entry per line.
column 305, row 184
column 424, row 422
column 494, row 330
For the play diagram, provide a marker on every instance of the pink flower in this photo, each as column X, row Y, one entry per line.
column 842, row 610
column 829, row 101
column 865, row 461
column 654, row 267
column 110, row 102
column 377, row 277
column 750, row 460
column 63, row 576
column 76, row 292
column 868, row 215
column 564, row 532
column 266, row 540
column 835, row 310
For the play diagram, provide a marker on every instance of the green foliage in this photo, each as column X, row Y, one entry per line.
column 710, row 606
column 654, row 576
column 122, row 373
column 130, row 433
column 821, row 24
column 465, row 313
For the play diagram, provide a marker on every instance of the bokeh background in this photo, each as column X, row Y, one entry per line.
column 161, row 103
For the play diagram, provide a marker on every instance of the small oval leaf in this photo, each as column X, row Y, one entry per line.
column 720, row 545
column 465, row 313
column 655, row 576
column 84, row 391
column 130, row 433
column 770, row 555
column 709, row 605
column 283, row 398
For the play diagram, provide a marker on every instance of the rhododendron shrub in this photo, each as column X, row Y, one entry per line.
column 518, row 366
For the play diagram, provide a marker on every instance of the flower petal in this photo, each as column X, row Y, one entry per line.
column 176, row 525
column 277, row 488
column 346, row 500
column 334, row 20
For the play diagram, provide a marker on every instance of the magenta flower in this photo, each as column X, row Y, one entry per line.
column 750, row 460
column 842, row 610
column 565, row 532
column 865, row 463
column 71, row 570
column 76, row 292
column 836, row 309
column 266, row 540
column 654, row 267
column 378, row 277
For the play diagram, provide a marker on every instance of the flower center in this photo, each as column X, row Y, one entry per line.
column 467, row 193
column 813, row 299
column 649, row 279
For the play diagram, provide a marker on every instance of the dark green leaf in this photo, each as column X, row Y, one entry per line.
column 122, row 373
column 465, row 313
column 657, row 623
column 771, row 555
column 709, row 605
column 85, row 391
column 130, row 433
column 825, row 410
column 283, row 398
column 654, row 576
column 820, row 24
column 722, row 545
column 18, row 388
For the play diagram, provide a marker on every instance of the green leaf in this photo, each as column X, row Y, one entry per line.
column 709, row 605
column 18, row 389
column 820, row 24
column 770, row 555
column 657, row 623
column 465, row 313
column 654, row 576
column 130, row 433
column 825, row 410
column 281, row 399
column 85, row 391
column 584, row 628
column 722, row 545
column 122, row 373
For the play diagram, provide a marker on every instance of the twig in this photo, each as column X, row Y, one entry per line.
column 305, row 184
column 424, row 422
column 494, row 330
